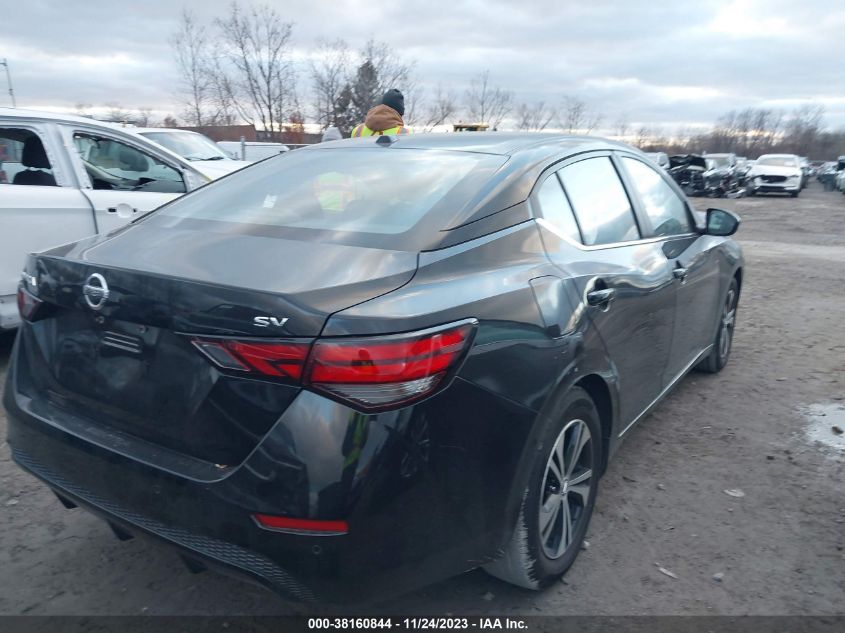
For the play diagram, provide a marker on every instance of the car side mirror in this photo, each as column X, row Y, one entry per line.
column 721, row 222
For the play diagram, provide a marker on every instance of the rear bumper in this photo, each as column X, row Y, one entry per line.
column 201, row 551
column 427, row 491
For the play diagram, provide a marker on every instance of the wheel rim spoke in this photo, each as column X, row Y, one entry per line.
column 550, row 519
column 555, row 470
column 580, row 478
column 559, row 454
column 579, row 441
column 567, row 526
column 582, row 490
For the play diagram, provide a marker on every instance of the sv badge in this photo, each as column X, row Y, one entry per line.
column 267, row 321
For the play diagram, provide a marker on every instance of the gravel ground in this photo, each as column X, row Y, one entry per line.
column 776, row 550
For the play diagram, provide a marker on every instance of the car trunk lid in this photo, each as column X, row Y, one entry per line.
column 130, row 363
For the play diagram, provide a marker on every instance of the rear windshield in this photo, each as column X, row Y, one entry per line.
column 777, row 161
column 389, row 198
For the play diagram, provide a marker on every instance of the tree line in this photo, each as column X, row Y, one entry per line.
column 242, row 66
column 754, row 131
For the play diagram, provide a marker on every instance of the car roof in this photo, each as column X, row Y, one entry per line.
column 501, row 143
column 141, row 130
column 25, row 113
column 114, row 128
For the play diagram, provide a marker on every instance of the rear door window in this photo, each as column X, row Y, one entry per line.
column 23, row 159
column 598, row 198
column 665, row 209
column 114, row 165
column 555, row 208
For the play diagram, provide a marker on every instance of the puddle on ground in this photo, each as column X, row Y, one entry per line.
column 822, row 418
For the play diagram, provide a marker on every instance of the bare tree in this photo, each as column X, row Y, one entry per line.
column 191, row 46
column 442, row 106
column 535, row 117
column 257, row 65
column 643, row 136
column 576, row 117
column 380, row 68
column 488, row 104
column 117, row 113
column 622, row 126
column 81, row 109
column 144, row 117
column 391, row 70
column 329, row 69
column 804, row 127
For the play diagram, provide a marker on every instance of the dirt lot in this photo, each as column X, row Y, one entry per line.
column 779, row 547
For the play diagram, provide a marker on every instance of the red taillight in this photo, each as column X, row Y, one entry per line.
column 381, row 372
column 28, row 304
column 277, row 359
column 301, row 526
column 371, row 373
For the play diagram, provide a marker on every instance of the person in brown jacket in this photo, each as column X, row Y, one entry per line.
column 385, row 118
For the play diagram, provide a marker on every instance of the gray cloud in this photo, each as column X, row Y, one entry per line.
column 658, row 63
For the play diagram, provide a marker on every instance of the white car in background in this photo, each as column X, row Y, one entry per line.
column 63, row 178
column 204, row 154
column 840, row 181
column 661, row 158
column 775, row 173
column 252, row 151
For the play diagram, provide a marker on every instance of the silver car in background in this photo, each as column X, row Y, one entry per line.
column 203, row 153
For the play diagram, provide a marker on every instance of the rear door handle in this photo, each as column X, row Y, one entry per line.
column 680, row 273
column 601, row 298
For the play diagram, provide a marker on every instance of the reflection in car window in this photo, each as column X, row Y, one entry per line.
column 23, row 160
column 666, row 210
column 556, row 209
column 336, row 192
column 188, row 145
column 600, row 203
column 114, row 165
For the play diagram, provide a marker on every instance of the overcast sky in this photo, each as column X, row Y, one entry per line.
column 655, row 62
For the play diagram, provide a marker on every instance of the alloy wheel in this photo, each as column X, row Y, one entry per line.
column 566, row 488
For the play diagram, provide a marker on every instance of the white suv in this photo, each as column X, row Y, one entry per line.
column 776, row 173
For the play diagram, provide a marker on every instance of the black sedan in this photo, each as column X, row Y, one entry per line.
column 369, row 365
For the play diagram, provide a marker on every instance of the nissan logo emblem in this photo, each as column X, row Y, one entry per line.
column 95, row 291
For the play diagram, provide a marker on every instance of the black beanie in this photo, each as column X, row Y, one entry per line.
column 394, row 99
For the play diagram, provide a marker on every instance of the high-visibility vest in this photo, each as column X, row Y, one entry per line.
column 334, row 191
column 363, row 130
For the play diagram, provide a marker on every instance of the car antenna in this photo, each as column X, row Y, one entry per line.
column 386, row 140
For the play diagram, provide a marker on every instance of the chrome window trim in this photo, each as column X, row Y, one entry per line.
column 645, row 240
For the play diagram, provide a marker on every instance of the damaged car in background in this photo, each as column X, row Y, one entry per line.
column 712, row 175
column 776, row 173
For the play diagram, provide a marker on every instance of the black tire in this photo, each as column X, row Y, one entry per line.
column 721, row 352
column 529, row 559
